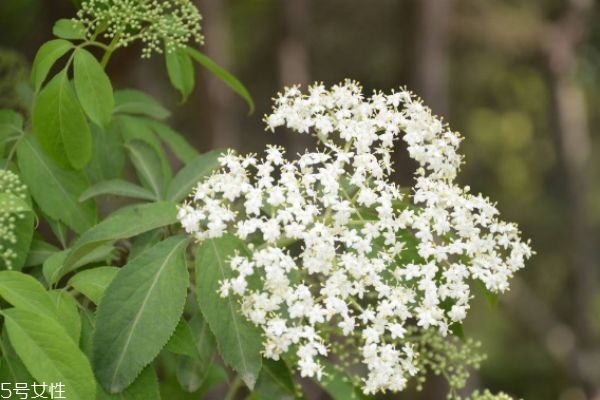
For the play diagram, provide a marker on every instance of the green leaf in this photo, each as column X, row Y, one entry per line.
column 216, row 375
column 49, row 353
column 238, row 340
column 39, row 252
column 147, row 165
column 187, row 178
column 181, row 72
column 145, row 387
column 150, row 288
column 138, row 103
column 183, row 342
column 60, row 124
column 69, row 29
column 22, row 215
column 175, row 140
column 11, row 123
column 93, row 87
column 55, row 268
column 118, row 187
column 338, row 385
column 108, row 158
column 55, row 189
column 11, row 367
column 125, row 223
column 45, row 58
column 93, row 282
column 223, row 75
column 68, row 313
column 275, row 381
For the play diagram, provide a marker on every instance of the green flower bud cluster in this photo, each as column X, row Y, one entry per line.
column 448, row 356
column 10, row 212
column 487, row 395
column 158, row 24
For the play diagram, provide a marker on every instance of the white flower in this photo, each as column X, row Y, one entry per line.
column 370, row 260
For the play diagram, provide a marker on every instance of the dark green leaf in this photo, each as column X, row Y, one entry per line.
column 93, row 87
column 69, row 29
column 183, row 342
column 147, row 165
column 118, row 187
column 175, row 140
column 338, row 385
column 150, row 288
column 45, row 58
column 223, row 75
column 145, row 387
column 139, row 103
column 39, row 252
column 49, row 353
column 55, row 189
column 275, row 382
column 93, row 282
column 60, row 124
column 181, row 72
column 108, row 158
column 238, row 340
column 123, row 224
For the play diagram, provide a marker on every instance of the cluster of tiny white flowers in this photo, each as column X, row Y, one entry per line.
column 9, row 213
column 355, row 270
column 156, row 23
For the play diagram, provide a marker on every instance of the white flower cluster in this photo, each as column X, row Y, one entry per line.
column 368, row 261
column 11, row 185
column 156, row 23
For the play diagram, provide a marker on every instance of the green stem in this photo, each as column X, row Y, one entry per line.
column 109, row 51
column 233, row 388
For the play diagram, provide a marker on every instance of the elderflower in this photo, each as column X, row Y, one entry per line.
column 10, row 188
column 371, row 261
column 156, row 23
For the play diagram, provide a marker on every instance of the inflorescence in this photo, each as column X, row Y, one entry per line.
column 171, row 24
column 338, row 250
column 10, row 211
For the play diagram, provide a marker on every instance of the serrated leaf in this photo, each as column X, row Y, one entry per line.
column 66, row 309
column 93, row 282
column 55, row 268
column 49, row 353
column 118, row 187
column 93, row 87
column 60, row 124
column 238, row 340
column 223, row 75
column 22, row 230
column 54, row 189
column 147, row 166
column 149, row 288
column 66, row 28
column 187, row 178
column 275, row 381
column 181, row 72
column 176, row 142
column 145, row 387
column 123, row 224
column 138, row 103
column 45, row 58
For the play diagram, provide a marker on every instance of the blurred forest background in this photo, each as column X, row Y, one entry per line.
column 519, row 79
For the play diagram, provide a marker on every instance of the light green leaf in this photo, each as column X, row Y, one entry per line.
column 125, row 223
column 69, row 29
column 11, row 367
column 45, row 58
column 55, row 189
column 145, row 387
column 49, row 353
column 93, row 87
column 39, row 252
column 93, row 282
column 60, row 124
column 181, row 72
column 22, row 230
column 55, row 268
column 118, row 187
column 223, row 75
column 138, row 103
column 175, row 140
column 68, row 313
column 275, row 381
column 150, row 288
column 238, row 340
column 186, row 179
column 147, row 165
column 11, row 124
